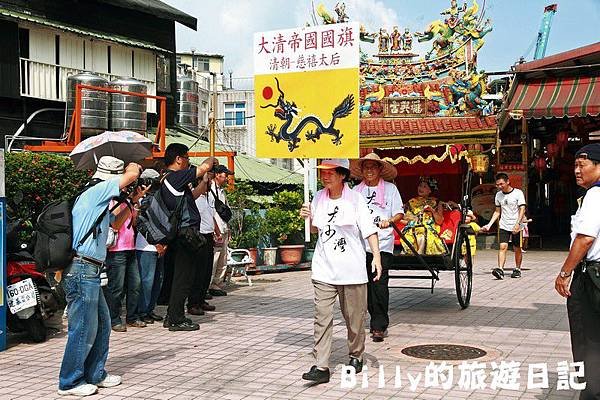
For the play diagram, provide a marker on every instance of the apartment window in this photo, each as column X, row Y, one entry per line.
column 235, row 114
column 203, row 64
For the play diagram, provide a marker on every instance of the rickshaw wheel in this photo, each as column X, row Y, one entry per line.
column 463, row 270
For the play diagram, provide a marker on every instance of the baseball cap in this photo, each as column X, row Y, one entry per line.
column 589, row 151
column 219, row 169
column 332, row 163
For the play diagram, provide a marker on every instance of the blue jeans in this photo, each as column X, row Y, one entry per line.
column 89, row 327
column 151, row 268
column 122, row 265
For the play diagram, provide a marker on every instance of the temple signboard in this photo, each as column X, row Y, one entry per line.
column 404, row 107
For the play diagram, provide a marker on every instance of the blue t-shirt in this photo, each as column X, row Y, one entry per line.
column 86, row 211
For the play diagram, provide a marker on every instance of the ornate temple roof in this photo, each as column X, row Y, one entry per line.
column 398, row 132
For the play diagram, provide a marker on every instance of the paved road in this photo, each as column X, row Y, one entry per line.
column 258, row 343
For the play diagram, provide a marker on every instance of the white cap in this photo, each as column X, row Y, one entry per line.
column 331, row 163
column 109, row 167
column 150, row 173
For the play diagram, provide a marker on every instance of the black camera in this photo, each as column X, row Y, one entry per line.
column 152, row 183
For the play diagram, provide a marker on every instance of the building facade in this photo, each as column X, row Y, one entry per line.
column 45, row 42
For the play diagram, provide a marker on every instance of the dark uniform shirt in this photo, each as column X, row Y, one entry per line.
column 177, row 183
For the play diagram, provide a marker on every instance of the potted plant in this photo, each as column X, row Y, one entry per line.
column 285, row 226
column 246, row 227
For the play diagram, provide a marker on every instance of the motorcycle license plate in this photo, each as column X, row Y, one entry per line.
column 21, row 295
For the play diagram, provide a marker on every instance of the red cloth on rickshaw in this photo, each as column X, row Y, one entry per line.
column 449, row 224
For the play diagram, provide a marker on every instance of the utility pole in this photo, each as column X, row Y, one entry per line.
column 212, row 123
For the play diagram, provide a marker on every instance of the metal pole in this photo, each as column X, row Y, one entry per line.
column 213, row 118
column 2, row 255
column 306, row 199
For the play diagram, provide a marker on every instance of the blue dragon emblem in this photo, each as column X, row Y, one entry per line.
column 286, row 111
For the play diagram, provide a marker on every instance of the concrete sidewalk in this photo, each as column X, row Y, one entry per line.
column 259, row 341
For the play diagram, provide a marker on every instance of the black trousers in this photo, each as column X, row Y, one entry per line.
column 378, row 293
column 204, row 267
column 184, row 270
column 584, row 322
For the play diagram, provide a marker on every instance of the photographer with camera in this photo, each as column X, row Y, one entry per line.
column 187, row 248
column 197, row 304
column 82, row 371
column 122, row 264
column 150, row 259
column 222, row 235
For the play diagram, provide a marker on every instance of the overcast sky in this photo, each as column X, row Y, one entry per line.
column 226, row 27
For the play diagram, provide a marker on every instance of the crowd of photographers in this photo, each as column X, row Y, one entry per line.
column 186, row 272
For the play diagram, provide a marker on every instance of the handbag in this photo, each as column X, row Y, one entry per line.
column 221, row 208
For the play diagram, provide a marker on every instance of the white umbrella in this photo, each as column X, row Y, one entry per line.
column 125, row 145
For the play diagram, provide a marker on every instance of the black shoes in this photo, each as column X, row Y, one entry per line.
column 195, row 310
column 516, row 273
column 155, row 317
column 316, row 375
column 207, row 307
column 498, row 273
column 356, row 363
column 377, row 336
column 166, row 323
column 185, row 325
column 217, row 292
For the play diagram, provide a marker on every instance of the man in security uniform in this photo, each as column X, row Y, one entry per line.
column 583, row 263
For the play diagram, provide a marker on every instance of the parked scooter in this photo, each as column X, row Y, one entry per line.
column 29, row 296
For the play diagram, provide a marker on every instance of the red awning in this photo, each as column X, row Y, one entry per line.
column 556, row 97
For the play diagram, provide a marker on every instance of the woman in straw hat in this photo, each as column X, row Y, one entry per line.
column 385, row 205
column 342, row 219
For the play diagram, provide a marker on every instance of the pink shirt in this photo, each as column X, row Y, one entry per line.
column 126, row 237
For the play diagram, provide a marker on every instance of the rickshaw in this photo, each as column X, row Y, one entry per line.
column 457, row 256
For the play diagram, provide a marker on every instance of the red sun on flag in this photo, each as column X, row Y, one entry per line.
column 267, row 92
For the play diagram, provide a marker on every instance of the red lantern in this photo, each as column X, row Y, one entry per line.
column 552, row 150
column 562, row 137
column 540, row 165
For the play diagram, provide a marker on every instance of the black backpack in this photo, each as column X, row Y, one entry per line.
column 155, row 222
column 53, row 234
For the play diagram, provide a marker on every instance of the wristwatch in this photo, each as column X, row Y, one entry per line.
column 563, row 274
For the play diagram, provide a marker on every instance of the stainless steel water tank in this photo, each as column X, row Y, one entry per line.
column 187, row 103
column 94, row 104
column 128, row 112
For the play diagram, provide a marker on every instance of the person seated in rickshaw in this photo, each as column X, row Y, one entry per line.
column 423, row 217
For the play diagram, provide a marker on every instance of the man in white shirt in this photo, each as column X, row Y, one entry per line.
column 583, row 295
column 385, row 206
column 510, row 207
column 221, row 241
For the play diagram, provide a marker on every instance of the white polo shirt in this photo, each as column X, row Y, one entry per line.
column 393, row 205
column 206, row 207
column 586, row 221
column 340, row 257
column 509, row 204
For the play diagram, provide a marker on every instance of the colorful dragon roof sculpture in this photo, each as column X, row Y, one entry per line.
column 444, row 82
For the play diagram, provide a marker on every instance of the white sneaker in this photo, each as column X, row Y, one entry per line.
column 109, row 381
column 86, row 389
